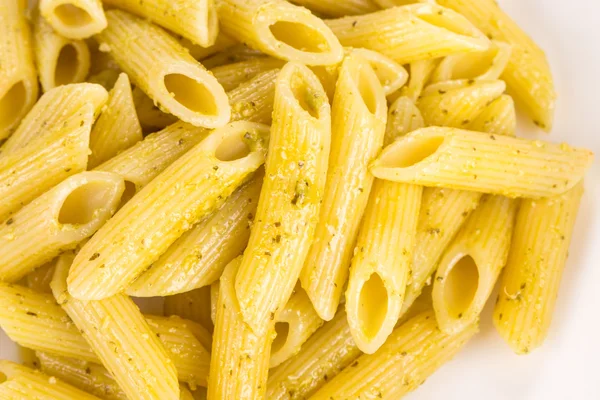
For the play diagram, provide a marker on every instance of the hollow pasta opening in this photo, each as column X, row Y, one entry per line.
column 282, row 330
column 128, row 193
column 232, row 148
column 306, row 97
column 411, row 151
column 442, row 18
column 299, row 36
column 191, row 94
column 71, row 15
column 366, row 90
column 82, row 204
column 373, row 305
column 460, row 286
column 11, row 104
column 472, row 65
column 67, row 65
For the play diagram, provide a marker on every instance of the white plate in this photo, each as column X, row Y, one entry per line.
column 566, row 366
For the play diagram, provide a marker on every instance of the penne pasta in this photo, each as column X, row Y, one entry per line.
column 150, row 116
column 118, row 127
column 214, row 299
column 236, row 53
column 413, row 352
column 420, row 72
column 334, row 8
column 281, row 30
column 120, row 336
column 232, row 75
column 471, row 264
column 194, row 305
column 200, row 255
column 293, row 187
column 194, row 20
column 527, row 74
column 222, row 44
column 327, row 352
column 45, row 118
column 59, row 60
column 485, row 65
column 438, row 32
column 74, row 19
column 529, row 287
column 57, row 221
column 391, row 74
column 500, row 165
column 21, row 382
column 39, row 279
column 18, row 77
column 499, row 117
column 253, row 100
column 383, row 255
column 197, row 184
column 358, row 125
column 177, row 83
column 28, row 172
column 240, row 358
column 294, row 324
column 457, row 103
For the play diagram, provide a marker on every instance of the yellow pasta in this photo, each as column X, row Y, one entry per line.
column 281, row 30
column 21, row 382
column 236, row 53
column 74, row 19
column 503, row 165
column 118, row 127
column 199, row 256
column 150, row 116
column 194, row 20
column 486, row 65
column 471, row 264
column 44, row 162
column 59, row 60
column 499, row 117
column 410, row 33
column 176, row 81
column 240, row 358
column 18, row 77
column 291, row 195
column 222, row 43
column 120, row 336
column 39, row 279
column 391, row 74
column 188, row 190
column 531, row 280
column 294, row 324
column 412, row 353
column 335, row 8
column 253, row 100
column 457, row 103
column 527, row 74
column 232, row 75
column 57, row 221
column 358, row 125
column 395, row 3
column 420, row 72
column 384, row 249
column 194, row 305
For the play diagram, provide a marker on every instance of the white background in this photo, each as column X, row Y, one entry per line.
column 566, row 367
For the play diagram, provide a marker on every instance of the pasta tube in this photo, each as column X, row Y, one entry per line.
column 200, row 255
column 412, row 353
column 175, row 81
column 18, row 78
column 59, row 60
column 527, row 74
column 470, row 266
column 28, row 172
column 194, row 305
column 240, row 359
column 484, row 65
column 21, row 382
column 328, row 351
column 57, row 221
column 293, row 187
column 438, row 32
column 334, row 8
column 194, row 20
column 120, row 336
column 118, row 127
column 150, row 116
column 232, row 75
column 531, row 280
column 74, row 19
column 499, row 117
column 358, row 126
column 457, row 103
column 196, row 184
column 383, row 256
column 253, row 100
column 420, row 72
column 222, row 44
column 294, row 324
column 281, row 30
column 501, row 165
column 39, row 279
column 391, row 74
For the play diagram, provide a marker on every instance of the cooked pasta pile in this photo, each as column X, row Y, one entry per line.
column 322, row 194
